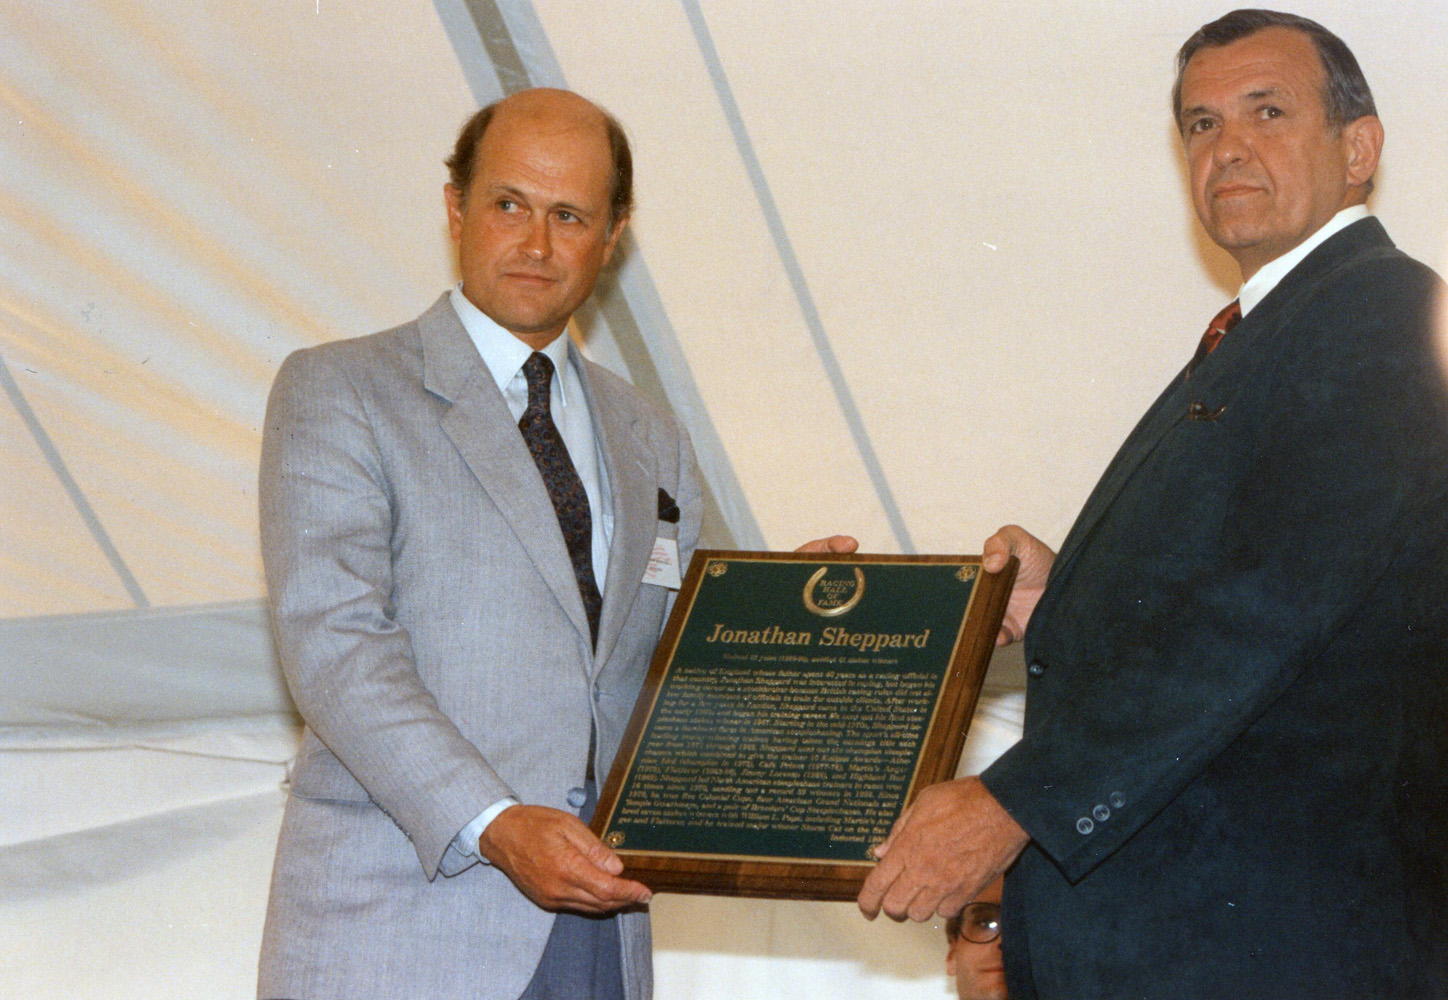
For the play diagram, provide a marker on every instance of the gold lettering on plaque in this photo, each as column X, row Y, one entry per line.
column 771, row 636
column 829, row 598
column 776, row 747
column 867, row 642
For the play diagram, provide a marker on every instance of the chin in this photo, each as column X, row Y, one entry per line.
column 1236, row 235
column 989, row 985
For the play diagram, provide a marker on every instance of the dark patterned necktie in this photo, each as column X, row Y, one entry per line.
column 570, row 502
column 1220, row 326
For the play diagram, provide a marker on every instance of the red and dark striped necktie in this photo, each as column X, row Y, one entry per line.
column 1220, row 326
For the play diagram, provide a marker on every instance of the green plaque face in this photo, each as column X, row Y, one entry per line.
column 795, row 706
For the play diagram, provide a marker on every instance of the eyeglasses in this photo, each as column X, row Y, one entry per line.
column 980, row 923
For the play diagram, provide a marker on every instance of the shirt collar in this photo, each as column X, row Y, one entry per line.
column 503, row 353
column 1255, row 288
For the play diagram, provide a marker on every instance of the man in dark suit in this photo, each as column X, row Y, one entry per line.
column 1233, row 779
column 471, row 535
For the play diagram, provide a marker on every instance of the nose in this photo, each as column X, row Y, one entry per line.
column 1230, row 145
column 537, row 241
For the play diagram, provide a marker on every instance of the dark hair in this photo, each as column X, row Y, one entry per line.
column 461, row 163
column 1346, row 95
column 952, row 926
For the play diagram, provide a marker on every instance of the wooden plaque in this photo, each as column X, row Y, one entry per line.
column 796, row 704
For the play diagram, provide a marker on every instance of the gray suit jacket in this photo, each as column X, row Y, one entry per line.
column 431, row 630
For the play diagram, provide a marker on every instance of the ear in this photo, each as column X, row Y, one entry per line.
column 618, row 228
column 1362, row 141
column 454, row 198
column 950, row 958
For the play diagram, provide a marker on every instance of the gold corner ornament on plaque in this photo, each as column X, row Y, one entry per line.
column 830, row 598
column 777, row 740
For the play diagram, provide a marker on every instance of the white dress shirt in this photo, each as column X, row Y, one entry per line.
column 1255, row 288
column 505, row 354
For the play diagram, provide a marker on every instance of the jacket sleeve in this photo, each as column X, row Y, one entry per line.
column 326, row 529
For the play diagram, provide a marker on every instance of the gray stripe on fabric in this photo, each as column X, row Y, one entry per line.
column 71, row 487
column 785, row 249
column 502, row 53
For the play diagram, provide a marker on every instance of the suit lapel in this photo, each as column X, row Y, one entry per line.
column 1159, row 419
column 633, row 485
column 1220, row 377
column 482, row 430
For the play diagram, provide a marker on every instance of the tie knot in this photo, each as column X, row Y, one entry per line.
column 1220, row 325
column 1229, row 317
column 538, row 370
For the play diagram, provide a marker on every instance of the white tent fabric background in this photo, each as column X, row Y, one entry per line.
column 907, row 270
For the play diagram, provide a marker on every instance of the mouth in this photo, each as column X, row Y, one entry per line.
column 530, row 278
column 1237, row 190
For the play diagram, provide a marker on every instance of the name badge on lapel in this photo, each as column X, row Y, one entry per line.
column 663, row 568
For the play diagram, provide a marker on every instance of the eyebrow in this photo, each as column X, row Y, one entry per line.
column 1261, row 93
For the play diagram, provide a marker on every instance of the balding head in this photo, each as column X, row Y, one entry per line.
column 547, row 109
column 538, row 212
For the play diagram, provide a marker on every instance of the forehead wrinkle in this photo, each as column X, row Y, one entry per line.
column 512, row 190
column 535, row 167
column 1264, row 67
column 1259, row 93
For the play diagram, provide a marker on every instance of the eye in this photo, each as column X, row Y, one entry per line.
column 1198, row 126
column 507, row 205
column 1269, row 111
column 566, row 216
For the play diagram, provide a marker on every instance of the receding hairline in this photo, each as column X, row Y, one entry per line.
column 554, row 110
column 546, row 104
column 1346, row 95
column 1179, row 88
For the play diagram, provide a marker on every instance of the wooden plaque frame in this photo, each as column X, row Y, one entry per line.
column 787, row 876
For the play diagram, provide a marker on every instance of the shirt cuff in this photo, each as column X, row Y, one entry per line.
column 466, row 842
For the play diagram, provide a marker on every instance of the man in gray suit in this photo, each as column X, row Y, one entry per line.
column 471, row 536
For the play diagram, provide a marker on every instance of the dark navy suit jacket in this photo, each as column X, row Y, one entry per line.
column 1235, row 760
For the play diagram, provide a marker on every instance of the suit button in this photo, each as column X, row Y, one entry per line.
column 1101, row 813
column 1036, row 669
column 576, row 797
column 1116, row 799
column 1084, row 825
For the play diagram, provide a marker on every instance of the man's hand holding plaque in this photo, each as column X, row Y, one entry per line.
column 956, row 838
column 557, row 862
